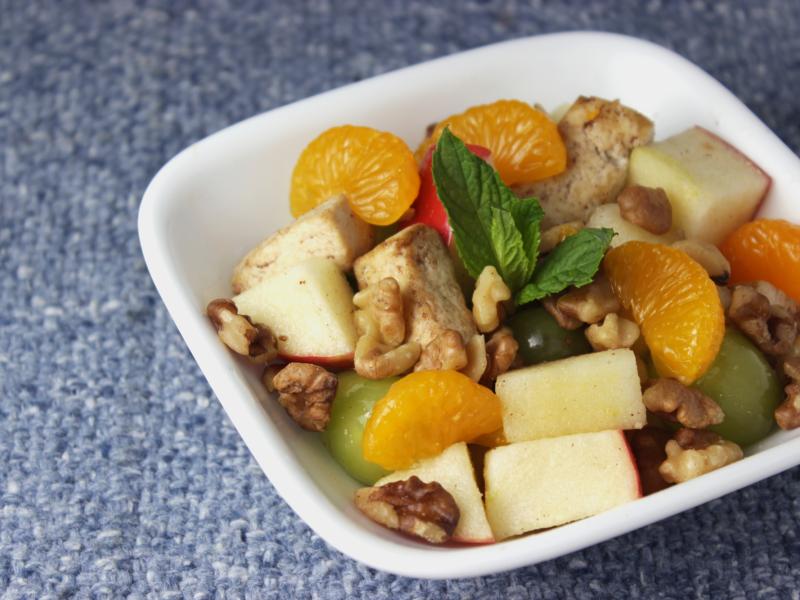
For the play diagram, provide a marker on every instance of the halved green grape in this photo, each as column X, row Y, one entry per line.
column 355, row 398
column 747, row 388
column 541, row 338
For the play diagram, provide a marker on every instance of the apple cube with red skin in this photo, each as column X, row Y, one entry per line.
column 453, row 470
column 309, row 308
column 713, row 187
column 428, row 208
column 549, row 482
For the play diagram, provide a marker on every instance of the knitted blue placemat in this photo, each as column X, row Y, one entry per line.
column 120, row 475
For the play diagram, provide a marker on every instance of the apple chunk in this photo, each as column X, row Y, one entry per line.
column 580, row 394
column 309, row 308
column 545, row 483
column 453, row 470
column 713, row 188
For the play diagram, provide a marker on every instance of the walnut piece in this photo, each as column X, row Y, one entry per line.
column 647, row 207
column 306, row 391
column 446, row 352
column 477, row 360
column 556, row 234
column 787, row 415
column 613, row 332
column 696, row 439
column 374, row 360
column 501, row 350
column 379, row 321
column 709, row 257
column 682, row 465
column 564, row 320
column 490, row 290
column 688, row 406
column 424, row 510
column 771, row 326
column 241, row 335
column 590, row 303
column 647, row 445
column 384, row 303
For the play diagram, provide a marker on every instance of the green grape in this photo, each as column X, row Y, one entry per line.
column 355, row 398
column 743, row 383
column 541, row 338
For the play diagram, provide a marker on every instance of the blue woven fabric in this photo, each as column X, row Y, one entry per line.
column 120, row 475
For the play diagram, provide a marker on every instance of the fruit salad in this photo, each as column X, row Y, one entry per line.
column 525, row 321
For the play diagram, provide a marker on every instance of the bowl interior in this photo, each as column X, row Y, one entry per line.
column 221, row 196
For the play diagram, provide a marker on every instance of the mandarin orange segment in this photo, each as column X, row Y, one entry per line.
column 766, row 249
column 426, row 412
column 524, row 142
column 675, row 303
column 375, row 170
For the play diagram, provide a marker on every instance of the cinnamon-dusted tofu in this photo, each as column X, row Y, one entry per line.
column 419, row 261
column 599, row 136
column 331, row 230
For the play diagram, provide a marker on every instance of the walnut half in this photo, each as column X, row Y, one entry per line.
column 614, row 332
column 762, row 315
column 445, row 352
column 787, row 415
column 306, row 391
column 241, row 335
column 683, row 464
column 424, row 510
column 490, row 291
column 688, row 406
column 501, row 351
column 649, row 208
column 590, row 303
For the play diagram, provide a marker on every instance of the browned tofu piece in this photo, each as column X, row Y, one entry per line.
column 599, row 136
column 421, row 264
column 331, row 230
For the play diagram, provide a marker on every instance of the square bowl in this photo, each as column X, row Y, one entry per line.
column 224, row 194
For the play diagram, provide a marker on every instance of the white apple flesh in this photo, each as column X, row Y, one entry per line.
column 712, row 187
column 453, row 470
column 580, row 394
column 549, row 482
column 309, row 308
column 608, row 215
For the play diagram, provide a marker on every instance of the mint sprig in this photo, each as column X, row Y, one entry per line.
column 573, row 262
column 493, row 227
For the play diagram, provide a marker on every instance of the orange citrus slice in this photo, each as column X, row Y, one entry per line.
column 674, row 302
column 375, row 170
column 524, row 142
column 767, row 250
column 426, row 412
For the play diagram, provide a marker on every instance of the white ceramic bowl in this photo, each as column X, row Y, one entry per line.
column 221, row 196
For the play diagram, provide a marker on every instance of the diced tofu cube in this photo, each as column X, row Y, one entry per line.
column 331, row 230
column 417, row 258
column 599, row 136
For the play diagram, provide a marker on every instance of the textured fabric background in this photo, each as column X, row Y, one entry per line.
column 120, row 475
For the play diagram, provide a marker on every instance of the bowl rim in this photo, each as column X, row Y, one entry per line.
column 301, row 493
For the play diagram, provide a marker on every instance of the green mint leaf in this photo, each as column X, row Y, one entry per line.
column 491, row 226
column 527, row 215
column 509, row 249
column 574, row 262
